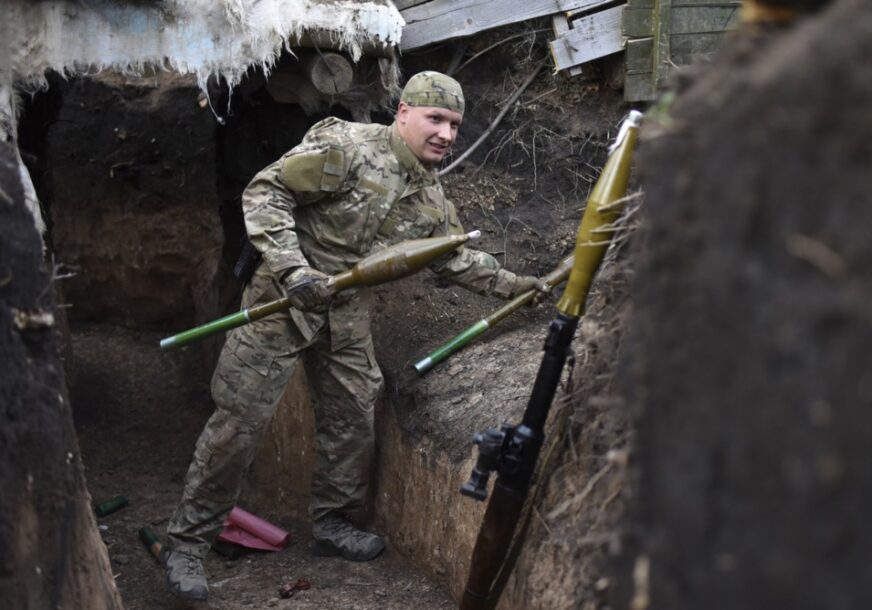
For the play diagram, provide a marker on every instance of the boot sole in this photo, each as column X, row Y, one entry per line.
column 189, row 597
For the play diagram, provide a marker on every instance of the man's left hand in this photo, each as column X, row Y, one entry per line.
column 308, row 289
column 526, row 283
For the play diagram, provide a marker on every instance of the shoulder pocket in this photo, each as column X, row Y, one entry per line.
column 315, row 170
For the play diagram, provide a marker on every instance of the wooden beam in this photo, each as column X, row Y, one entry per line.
column 440, row 20
column 331, row 73
column 590, row 38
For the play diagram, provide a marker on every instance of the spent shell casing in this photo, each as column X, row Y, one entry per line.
column 152, row 543
column 110, row 506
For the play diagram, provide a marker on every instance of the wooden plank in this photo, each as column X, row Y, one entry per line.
column 638, row 87
column 440, row 20
column 591, row 37
column 591, row 5
column 404, row 4
column 688, row 48
column 560, row 26
column 663, row 16
column 639, row 22
column 676, row 33
column 650, row 4
column 639, row 55
column 685, row 49
column 703, row 19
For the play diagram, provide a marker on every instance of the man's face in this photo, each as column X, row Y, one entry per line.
column 428, row 131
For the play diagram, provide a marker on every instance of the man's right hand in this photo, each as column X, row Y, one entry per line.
column 307, row 288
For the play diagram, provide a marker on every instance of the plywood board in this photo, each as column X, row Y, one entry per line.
column 560, row 26
column 590, row 38
column 440, row 20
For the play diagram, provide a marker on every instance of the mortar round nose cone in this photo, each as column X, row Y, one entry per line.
column 474, row 234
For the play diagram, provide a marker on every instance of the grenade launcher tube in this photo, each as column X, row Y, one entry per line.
column 516, row 472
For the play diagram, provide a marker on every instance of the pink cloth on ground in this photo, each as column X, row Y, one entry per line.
column 250, row 531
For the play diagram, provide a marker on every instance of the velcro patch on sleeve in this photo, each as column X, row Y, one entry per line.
column 309, row 172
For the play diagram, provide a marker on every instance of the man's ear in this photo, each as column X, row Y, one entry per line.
column 402, row 113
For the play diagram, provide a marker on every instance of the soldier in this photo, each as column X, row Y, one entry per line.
column 345, row 190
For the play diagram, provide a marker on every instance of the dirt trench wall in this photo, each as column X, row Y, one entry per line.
column 752, row 330
column 52, row 556
column 131, row 189
column 414, row 497
column 281, row 475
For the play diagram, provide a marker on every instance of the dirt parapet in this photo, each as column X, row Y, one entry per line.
column 752, row 329
column 47, row 528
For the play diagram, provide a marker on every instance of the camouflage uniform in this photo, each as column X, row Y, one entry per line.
column 344, row 191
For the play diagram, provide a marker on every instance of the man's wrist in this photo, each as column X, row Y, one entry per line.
column 504, row 283
column 286, row 274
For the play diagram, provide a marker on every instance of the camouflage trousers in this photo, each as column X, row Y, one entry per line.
column 255, row 365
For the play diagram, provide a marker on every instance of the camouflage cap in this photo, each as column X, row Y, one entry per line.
column 433, row 89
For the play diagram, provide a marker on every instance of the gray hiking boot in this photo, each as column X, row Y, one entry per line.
column 185, row 576
column 334, row 535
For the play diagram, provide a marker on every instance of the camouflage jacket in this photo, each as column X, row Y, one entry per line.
column 345, row 191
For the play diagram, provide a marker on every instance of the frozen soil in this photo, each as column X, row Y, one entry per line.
column 138, row 412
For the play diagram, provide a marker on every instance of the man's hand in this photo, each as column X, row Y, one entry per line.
column 307, row 288
column 526, row 283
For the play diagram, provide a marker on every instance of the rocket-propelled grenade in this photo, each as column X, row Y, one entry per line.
column 604, row 207
column 553, row 279
column 399, row 261
column 512, row 451
column 392, row 263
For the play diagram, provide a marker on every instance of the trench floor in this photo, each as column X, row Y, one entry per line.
column 138, row 412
